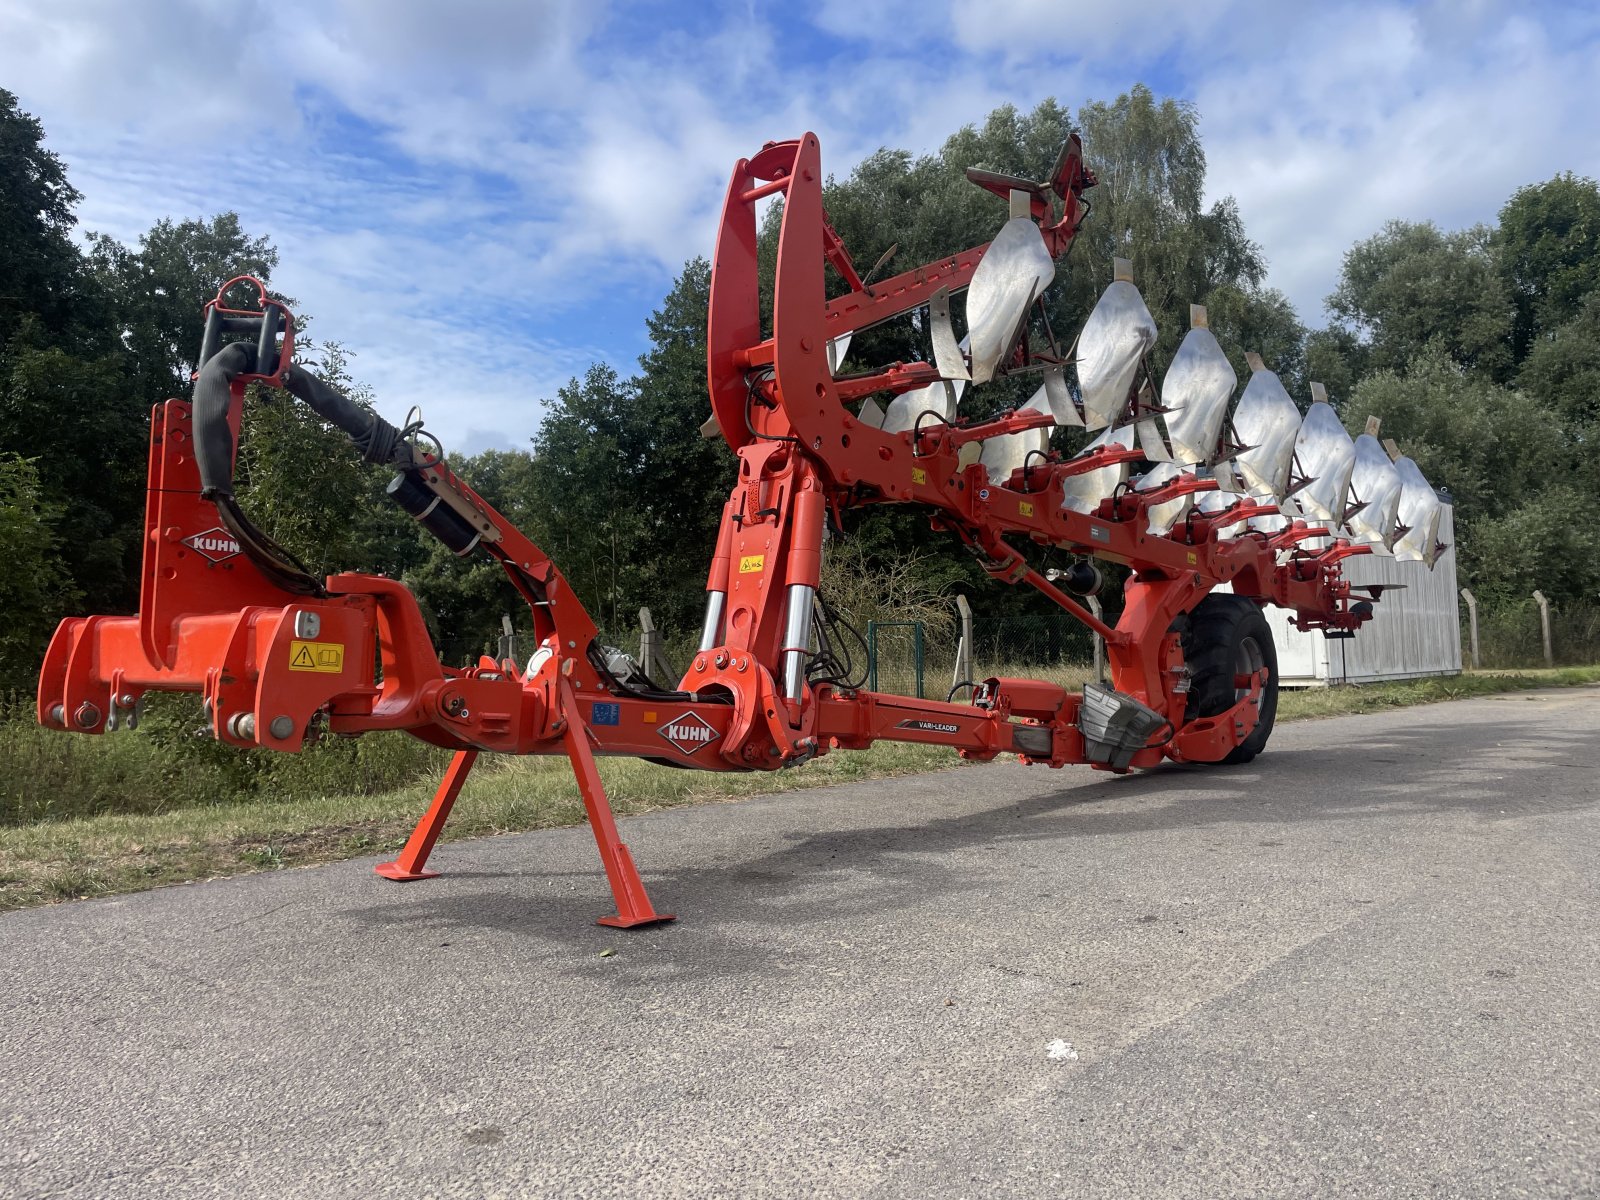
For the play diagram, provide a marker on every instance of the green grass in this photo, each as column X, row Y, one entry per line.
column 98, row 816
column 1344, row 700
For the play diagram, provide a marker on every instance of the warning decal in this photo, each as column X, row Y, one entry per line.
column 751, row 563
column 327, row 657
column 918, row 475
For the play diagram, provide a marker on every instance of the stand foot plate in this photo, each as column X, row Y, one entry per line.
column 394, row 871
column 636, row 922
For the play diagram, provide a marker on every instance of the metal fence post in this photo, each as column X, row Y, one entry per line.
column 1544, row 626
column 508, row 639
column 916, row 641
column 1472, row 623
column 872, row 656
column 651, row 656
column 1099, row 642
column 964, row 646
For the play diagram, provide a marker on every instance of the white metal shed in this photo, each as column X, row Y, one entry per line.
column 1414, row 631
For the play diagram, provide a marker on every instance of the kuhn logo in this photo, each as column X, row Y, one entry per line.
column 215, row 544
column 688, row 732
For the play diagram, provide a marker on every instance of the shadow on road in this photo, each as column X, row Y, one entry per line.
column 827, row 874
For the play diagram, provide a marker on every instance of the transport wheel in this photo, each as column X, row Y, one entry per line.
column 1228, row 640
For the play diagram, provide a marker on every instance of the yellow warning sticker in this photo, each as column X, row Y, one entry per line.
column 1024, row 508
column 327, row 657
column 918, row 475
column 1194, row 558
column 751, row 563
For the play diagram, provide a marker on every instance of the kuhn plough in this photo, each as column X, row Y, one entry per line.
column 1177, row 488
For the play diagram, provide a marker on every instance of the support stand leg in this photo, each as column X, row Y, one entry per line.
column 413, row 859
column 633, row 904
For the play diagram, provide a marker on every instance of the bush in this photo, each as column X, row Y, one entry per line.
column 48, row 775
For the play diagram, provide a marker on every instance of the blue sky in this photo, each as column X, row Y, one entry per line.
column 480, row 198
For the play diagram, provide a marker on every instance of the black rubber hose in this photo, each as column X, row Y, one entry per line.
column 213, row 440
column 378, row 441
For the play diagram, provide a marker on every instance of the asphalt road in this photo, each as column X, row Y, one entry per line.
column 1365, row 965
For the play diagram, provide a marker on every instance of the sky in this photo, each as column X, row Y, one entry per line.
column 481, row 198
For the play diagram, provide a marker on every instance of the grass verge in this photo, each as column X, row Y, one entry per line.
column 50, row 860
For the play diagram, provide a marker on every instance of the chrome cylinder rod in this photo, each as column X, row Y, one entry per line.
column 711, row 635
column 797, row 639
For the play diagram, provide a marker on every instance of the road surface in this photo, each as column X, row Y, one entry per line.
column 1365, row 965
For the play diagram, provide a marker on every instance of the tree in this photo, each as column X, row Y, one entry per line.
column 159, row 290
column 1549, row 244
column 1149, row 207
column 687, row 476
column 34, row 589
column 1563, row 367
column 1542, row 542
column 1410, row 284
column 40, row 268
column 86, row 444
column 591, row 491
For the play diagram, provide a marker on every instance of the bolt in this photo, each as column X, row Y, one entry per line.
column 243, row 726
column 722, row 660
column 87, row 716
column 700, row 663
column 281, row 727
column 741, row 664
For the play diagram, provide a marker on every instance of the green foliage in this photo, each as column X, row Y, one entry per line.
column 1563, row 367
column 1411, row 284
column 87, row 446
column 1549, row 247
column 588, row 467
column 33, row 586
column 1149, row 207
column 681, row 518
column 1490, row 445
column 163, row 766
column 158, row 290
column 39, row 266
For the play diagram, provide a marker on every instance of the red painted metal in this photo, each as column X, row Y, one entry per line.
column 276, row 669
column 413, row 859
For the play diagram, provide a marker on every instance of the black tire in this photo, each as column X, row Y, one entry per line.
column 1229, row 636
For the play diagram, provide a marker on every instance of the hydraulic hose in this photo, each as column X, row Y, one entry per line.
column 378, row 441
